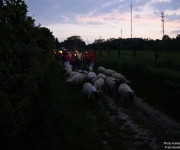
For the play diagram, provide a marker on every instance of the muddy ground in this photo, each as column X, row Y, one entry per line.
column 148, row 127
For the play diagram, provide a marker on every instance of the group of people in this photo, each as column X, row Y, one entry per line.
column 80, row 61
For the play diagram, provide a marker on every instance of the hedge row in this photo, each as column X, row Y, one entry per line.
column 26, row 51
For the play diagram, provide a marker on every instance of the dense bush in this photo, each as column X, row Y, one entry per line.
column 25, row 52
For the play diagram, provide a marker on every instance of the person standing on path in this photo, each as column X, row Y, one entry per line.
column 91, row 56
column 66, row 59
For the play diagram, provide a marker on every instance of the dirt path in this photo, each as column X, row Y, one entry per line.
column 148, row 126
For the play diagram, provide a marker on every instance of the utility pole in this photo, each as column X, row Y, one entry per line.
column 87, row 45
column 131, row 20
column 132, row 47
column 120, row 45
column 121, row 33
column 162, row 16
column 100, row 48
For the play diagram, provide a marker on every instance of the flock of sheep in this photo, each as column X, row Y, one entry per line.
column 95, row 84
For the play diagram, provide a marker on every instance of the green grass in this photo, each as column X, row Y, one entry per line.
column 158, row 85
column 167, row 60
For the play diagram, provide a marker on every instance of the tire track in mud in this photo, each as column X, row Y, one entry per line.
column 169, row 127
column 150, row 131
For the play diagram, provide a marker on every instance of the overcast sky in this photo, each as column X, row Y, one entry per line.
column 92, row 19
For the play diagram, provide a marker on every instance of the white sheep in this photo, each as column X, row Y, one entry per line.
column 89, row 69
column 68, row 69
column 126, row 93
column 68, row 66
column 92, row 77
column 86, row 84
column 109, row 72
column 101, row 75
column 120, row 77
column 83, row 71
column 100, row 69
column 71, row 74
column 77, row 79
column 84, row 76
column 90, row 92
column 112, row 84
column 99, row 84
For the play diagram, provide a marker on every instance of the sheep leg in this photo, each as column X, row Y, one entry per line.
column 129, row 102
column 91, row 103
column 109, row 89
column 126, row 101
column 103, row 89
column 83, row 97
column 118, row 96
column 96, row 96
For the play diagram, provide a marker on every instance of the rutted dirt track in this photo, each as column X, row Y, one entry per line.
column 154, row 124
column 149, row 127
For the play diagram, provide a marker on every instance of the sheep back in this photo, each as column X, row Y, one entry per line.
column 120, row 77
column 100, row 69
column 76, row 80
column 99, row 84
column 101, row 75
column 108, row 72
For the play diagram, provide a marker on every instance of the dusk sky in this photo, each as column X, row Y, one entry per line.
column 92, row 19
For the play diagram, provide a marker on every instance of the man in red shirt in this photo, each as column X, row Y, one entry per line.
column 91, row 56
column 66, row 59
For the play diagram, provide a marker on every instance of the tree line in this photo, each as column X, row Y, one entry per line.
column 71, row 43
column 146, row 44
column 166, row 43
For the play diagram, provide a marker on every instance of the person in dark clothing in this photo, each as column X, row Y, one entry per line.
column 88, row 61
column 77, row 63
column 72, row 61
column 83, row 61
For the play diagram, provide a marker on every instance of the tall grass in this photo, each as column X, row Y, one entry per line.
column 158, row 85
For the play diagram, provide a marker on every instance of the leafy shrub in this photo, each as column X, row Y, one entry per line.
column 26, row 51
